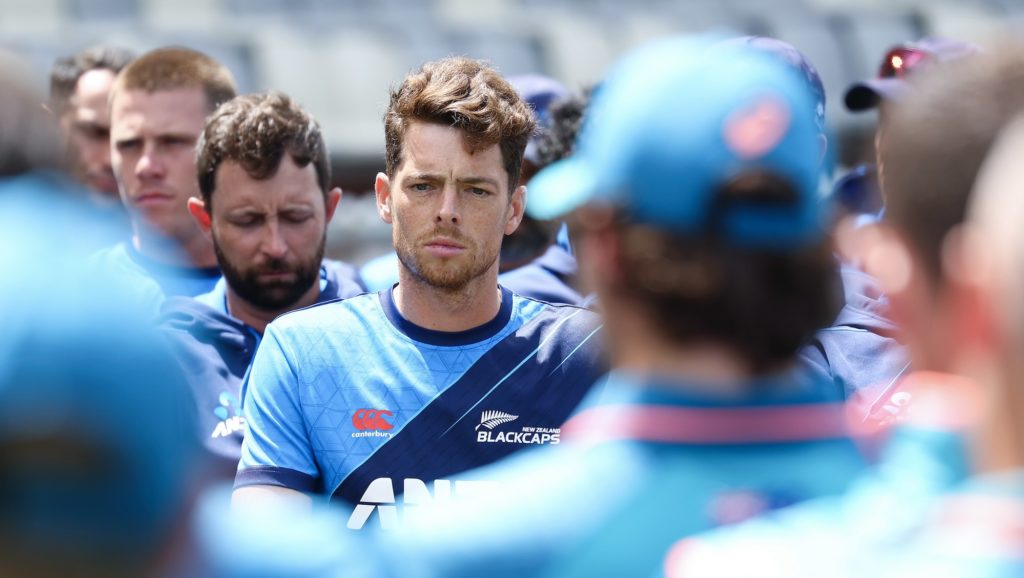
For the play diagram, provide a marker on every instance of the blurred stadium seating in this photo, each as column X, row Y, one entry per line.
column 338, row 57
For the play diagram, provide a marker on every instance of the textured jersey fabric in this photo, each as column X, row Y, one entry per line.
column 348, row 392
column 153, row 282
column 641, row 464
column 215, row 349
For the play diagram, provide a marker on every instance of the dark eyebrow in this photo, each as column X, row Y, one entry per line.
column 479, row 181
column 425, row 177
column 171, row 135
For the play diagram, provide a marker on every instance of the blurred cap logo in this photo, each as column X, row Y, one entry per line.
column 754, row 131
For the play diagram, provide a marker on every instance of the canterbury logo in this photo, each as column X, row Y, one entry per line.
column 492, row 419
column 371, row 419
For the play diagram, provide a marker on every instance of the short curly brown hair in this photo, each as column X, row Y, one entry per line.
column 255, row 131
column 466, row 94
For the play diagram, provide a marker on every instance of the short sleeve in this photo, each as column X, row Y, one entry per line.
column 276, row 450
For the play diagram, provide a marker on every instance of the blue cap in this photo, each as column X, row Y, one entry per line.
column 789, row 55
column 97, row 435
column 674, row 122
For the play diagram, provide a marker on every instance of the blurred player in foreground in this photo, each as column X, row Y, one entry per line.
column 954, row 295
column 96, row 460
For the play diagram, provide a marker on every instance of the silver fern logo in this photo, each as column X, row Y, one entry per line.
column 492, row 419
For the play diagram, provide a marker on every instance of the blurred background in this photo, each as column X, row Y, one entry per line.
column 339, row 57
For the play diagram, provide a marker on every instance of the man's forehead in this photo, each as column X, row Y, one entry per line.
column 94, row 82
column 439, row 149
column 178, row 110
column 182, row 101
column 290, row 185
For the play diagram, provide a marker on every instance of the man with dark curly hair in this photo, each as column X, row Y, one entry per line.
column 266, row 200
column 365, row 398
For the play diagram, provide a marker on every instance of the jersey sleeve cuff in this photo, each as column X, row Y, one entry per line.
column 274, row 476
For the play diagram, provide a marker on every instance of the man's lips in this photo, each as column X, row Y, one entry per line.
column 282, row 275
column 153, row 197
column 444, row 247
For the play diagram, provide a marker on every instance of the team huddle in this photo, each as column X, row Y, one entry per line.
column 621, row 333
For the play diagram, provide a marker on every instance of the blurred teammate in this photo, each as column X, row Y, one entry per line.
column 855, row 351
column 79, row 97
column 28, row 140
column 532, row 238
column 701, row 232
column 158, row 106
column 953, row 302
column 362, row 398
column 890, row 86
column 95, row 456
column 264, row 175
column 553, row 276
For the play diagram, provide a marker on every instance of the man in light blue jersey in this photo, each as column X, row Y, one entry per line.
column 264, row 175
column 953, row 277
column 693, row 188
column 158, row 105
column 362, row 399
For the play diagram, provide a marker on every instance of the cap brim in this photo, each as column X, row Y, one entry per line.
column 867, row 94
column 559, row 189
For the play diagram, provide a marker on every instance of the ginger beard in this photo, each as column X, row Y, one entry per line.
column 451, row 274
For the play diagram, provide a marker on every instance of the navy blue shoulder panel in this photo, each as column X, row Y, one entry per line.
column 529, row 382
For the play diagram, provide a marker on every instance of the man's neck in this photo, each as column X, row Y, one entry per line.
column 196, row 251
column 431, row 308
column 701, row 367
column 258, row 318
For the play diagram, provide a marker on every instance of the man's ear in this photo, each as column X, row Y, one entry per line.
column 197, row 208
column 331, row 203
column 382, row 189
column 517, row 204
